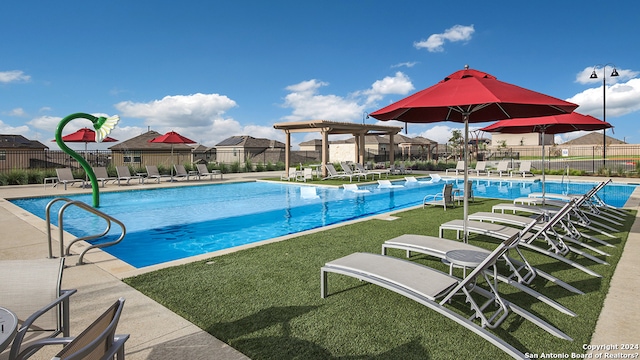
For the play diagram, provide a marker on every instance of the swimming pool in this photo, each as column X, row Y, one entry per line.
column 165, row 224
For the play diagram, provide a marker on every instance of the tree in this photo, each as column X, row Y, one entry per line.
column 456, row 141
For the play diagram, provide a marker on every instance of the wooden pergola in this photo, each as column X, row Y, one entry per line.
column 326, row 128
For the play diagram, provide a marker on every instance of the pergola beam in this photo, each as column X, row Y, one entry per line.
column 326, row 128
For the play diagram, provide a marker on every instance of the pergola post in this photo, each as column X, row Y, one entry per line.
column 287, row 152
column 325, row 151
column 361, row 138
column 392, row 159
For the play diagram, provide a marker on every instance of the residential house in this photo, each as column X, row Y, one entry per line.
column 18, row 152
column 139, row 152
column 239, row 149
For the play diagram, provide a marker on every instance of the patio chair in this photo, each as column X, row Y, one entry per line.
column 204, row 171
column 305, row 174
column 354, row 188
column 97, row 341
column 125, row 174
column 102, row 175
column 458, row 169
column 65, row 176
column 524, row 169
column 181, row 173
column 290, row 175
column 481, row 169
column 502, row 168
column 436, row 289
column 444, row 198
column 154, row 174
column 31, row 289
column 459, row 194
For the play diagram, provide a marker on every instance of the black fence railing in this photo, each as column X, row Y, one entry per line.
column 620, row 159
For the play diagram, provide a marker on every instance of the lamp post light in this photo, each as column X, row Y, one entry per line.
column 604, row 104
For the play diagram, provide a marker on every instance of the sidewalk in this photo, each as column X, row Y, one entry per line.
column 157, row 333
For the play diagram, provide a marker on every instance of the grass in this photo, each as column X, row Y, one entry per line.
column 265, row 301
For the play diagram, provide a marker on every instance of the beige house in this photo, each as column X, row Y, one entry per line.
column 528, row 139
column 18, row 152
column 239, row 149
column 139, row 152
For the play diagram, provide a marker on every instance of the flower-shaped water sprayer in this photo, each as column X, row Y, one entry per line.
column 103, row 127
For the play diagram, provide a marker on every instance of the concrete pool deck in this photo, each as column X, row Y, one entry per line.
column 157, row 333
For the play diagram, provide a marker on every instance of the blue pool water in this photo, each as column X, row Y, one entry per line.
column 165, row 224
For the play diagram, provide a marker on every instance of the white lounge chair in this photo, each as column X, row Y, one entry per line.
column 65, row 176
column 387, row 184
column 435, row 289
column 304, row 175
column 481, row 168
column 204, row 171
column 524, row 169
column 444, row 198
column 502, row 168
column 102, row 175
column 354, row 188
column 125, row 174
column 458, row 169
column 308, row 192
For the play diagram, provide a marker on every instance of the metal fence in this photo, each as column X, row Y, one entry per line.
column 621, row 159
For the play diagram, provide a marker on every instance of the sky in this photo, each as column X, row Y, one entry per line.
column 213, row 69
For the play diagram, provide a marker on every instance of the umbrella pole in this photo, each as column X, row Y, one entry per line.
column 466, row 178
column 543, row 167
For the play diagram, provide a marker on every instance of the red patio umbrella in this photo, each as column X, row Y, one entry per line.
column 472, row 96
column 172, row 137
column 557, row 124
column 85, row 135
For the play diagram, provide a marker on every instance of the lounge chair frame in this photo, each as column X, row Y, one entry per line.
column 443, row 198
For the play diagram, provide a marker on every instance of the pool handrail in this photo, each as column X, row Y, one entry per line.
column 84, row 206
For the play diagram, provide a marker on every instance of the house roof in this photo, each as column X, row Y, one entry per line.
column 246, row 141
column 141, row 142
column 593, row 138
column 19, row 142
column 313, row 142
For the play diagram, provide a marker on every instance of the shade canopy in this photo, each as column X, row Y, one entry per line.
column 473, row 92
column 557, row 124
column 85, row 135
column 472, row 96
column 172, row 137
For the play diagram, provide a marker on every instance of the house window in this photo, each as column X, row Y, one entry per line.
column 132, row 157
column 3, row 155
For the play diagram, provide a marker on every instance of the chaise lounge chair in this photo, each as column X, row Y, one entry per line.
column 181, row 173
column 558, row 249
column 524, row 169
column 125, row 174
column 503, row 168
column 435, row 289
column 332, row 173
column 360, row 169
column 102, row 175
column 204, row 171
column 387, row 184
column 481, row 169
column 354, row 188
column 154, row 174
column 65, row 176
column 458, row 169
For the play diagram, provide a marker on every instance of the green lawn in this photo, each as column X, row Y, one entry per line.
column 265, row 301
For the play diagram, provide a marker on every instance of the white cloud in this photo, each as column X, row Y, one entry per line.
column 621, row 99
column 179, row 110
column 307, row 104
column 17, row 112
column 399, row 84
column 13, row 130
column 13, row 76
column 408, row 64
column 435, row 42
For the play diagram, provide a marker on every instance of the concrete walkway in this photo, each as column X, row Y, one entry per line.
column 157, row 333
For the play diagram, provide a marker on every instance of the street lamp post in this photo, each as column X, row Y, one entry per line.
column 604, row 104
